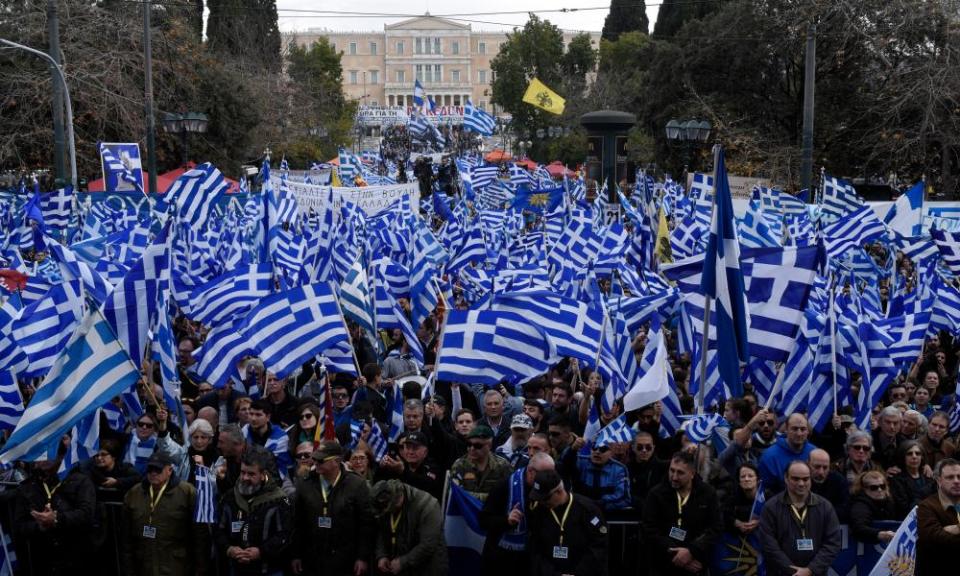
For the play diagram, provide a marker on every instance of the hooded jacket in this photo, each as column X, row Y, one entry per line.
column 263, row 521
column 775, row 459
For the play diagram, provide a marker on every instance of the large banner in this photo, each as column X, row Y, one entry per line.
column 372, row 199
column 129, row 155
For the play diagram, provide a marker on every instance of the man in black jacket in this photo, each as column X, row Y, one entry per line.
column 415, row 466
column 829, row 483
column 256, row 519
column 334, row 520
column 568, row 534
column 681, row 519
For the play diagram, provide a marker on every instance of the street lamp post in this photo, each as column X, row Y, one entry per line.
column 692, row 133
column 184, row 124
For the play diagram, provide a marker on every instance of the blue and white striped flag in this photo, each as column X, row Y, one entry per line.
column 855, row 229
column 486, row 347
column 223, row 349
column 195, row 192
column 573, row 326
column 462, row 532
column 8, row 564
column 206, row 508
column 701, row 428
column 377, row 442
column 723, row 281
column 478, row 120
column 11, row 402
column 91, row 370
column 84, row 443
column 57, row 206
column 12, row 356
column 44, row 327
column 229, row 296
column 758, row 501
column 396, row 414
column 906, row 215
column 839, row 199
column 288, row 328
column 615, row 432
column 112, row 165
column 355, row 297
column 900, row 555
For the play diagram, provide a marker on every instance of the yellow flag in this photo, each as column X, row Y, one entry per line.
column 335, row 177
column 544, row 98
column 663, row 239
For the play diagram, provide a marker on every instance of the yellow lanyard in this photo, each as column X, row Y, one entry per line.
column 394, row 523
column 155, row 501
column 561, row 521
column 801, row 519
column 681, row 502
column 50, row 492
column 325, row 492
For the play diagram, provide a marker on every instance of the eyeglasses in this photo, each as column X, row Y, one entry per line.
column 875, row 487
column 340, row 396
column 144, row 424
column 304, row 456
column 476, row 445
column 307, row 416
column 601, row 449
column 860, row 448
column 644, row 447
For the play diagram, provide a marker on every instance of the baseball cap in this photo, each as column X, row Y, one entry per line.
column 481, row 431
column 383, row 495
column 544, row 483
column 159, row 460
column 413, row 438
column 521, row 421
column 327, row 449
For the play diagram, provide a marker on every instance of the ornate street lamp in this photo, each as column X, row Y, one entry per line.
column 183, row 124
column 692, row 133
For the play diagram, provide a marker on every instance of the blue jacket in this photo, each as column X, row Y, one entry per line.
column 776, row 458
column 608, row 485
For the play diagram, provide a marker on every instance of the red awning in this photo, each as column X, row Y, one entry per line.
column 498, row 155
column 164, row 181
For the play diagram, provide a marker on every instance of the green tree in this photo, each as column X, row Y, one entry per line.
column 625, row 16
column 316, row 77
column 246, row 30
column 674, row 14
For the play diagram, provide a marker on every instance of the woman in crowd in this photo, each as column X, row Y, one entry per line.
column 871, row 503
column 361, row 462
column 914, row 482
column 306, row 426
column 936, row 446
column 241, row 407
column 202, row 451
column 143, row 442
column 921, row 402
column 108, row 470
column 738, row 514
column 859, row 447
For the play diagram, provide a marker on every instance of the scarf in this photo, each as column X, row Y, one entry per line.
column 139, row 452
column 516, row 538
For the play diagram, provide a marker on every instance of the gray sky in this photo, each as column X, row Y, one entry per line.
column 582, row 19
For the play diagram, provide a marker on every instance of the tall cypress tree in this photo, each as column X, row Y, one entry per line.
column 674, row 13
column 246, row 29
column 624, row 16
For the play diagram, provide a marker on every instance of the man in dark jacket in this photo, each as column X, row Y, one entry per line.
column 334, row 521
column 504, row 517
column 415, row 466
column 681, row 520
column 409, row 534
column 256, row 519
column 829, row 484
column 53, row 520
column 938, row 522
column 158, row 527
column 568, row 534
column 799, row 530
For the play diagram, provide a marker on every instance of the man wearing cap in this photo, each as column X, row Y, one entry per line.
column 681, row 521
column 334, row 525
column 504, row 517
column 514, row 450
column 158, row 527
column 602, row 478
column 480, row 470
column 568, row 534
column 415, row 466
column 409, row 531
column 255, row 526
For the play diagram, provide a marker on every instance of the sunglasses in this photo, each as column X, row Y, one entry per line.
column 766, row 423
column 644, row 447
column 601, row 449
column 860, row 448
column 876, row 487
column 144, row 424
column 304, row 456
column 307, row 416
column 476, row 445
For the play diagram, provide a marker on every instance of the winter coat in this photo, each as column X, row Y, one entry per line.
column 779, row 532
column 264, row 521
column 419, row 542
column 865, row 511
column 701, row 521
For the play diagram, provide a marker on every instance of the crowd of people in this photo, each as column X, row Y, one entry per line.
column 292, row 500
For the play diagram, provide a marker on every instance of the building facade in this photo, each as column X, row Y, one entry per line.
column 451, row 61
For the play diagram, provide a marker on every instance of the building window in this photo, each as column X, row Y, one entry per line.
column 353, row 48
column 482, row 76
column 419, row 70
column 401, row 76
column 482, row 47
column 428, row 74
column 400, row 48
column 437, row 76
column 353, row 76
column 418, row 47
column 455, row 47
column 454, row 75
column 436, row 45
column 374, row 76
column 483, row 105
column 373, row 48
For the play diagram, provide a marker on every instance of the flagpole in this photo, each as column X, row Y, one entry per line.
column 708, row 301
column 833, row 342
column 776, row 387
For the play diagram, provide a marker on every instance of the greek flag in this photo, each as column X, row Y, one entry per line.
column 615, row 432
column 11, row 403
column 900, row 555
column 839, row 199
column 195, row 192
column 906, row 215
column 723, row 281
column 485, row 347
column 84, row 443
column 462, row 532
column 8, row 564
column 855, row 229
column 132, row 306
column 396, row 414
column 224, row 347
column 355, row 297
column 954, row 414
column 112, row 165
column 573, row 326
column 57, row 207
column 478, row 120
column 92, row 369
column 655, row 384
column 377, row 442
column 701, row 428
column 230, row 295
column 206, row 509
column 289, row 328
column 758, row 501
column 419, row 94
column 12, row 356
column 44, row 327
column 72, row 268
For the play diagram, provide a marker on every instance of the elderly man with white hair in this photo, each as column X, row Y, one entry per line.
column 886, row 438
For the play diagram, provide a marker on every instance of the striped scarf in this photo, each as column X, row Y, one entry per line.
column 516, row 538
column 139, row 452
